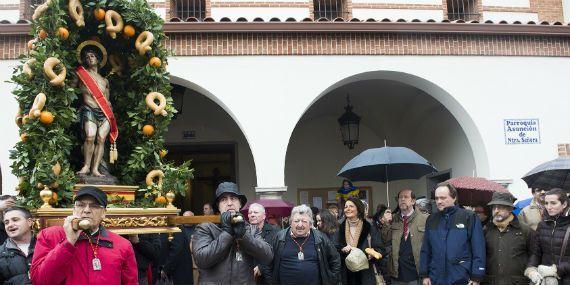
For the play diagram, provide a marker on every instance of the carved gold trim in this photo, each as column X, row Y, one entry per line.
column 139, row 231
column 109, row 188
column 59, row 212
column 139, row 222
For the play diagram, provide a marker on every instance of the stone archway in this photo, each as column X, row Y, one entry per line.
column 209, row 134
column 403, row 109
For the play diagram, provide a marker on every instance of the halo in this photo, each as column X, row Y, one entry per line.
column 95, row 44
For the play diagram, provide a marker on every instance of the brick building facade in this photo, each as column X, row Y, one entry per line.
column 444, row 79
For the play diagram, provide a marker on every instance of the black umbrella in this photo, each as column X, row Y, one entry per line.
column 386, row 164
column 551, row 174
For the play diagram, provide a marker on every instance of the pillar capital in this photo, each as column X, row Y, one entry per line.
column 272, row 192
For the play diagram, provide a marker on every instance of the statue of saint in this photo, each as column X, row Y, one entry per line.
column 96, row 113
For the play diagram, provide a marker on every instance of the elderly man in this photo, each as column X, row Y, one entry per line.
column 66, row 255
column 302, row 254
column 225, row 253
column 408, row 227
column 256, row 216
column 17, row 251
column 508, row 243
column 532, row 214
column 453, row 251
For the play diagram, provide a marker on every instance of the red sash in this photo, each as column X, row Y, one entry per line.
column 104, row 105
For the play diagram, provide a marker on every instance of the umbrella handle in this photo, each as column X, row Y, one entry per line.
column 387, row 185
column 388, row 193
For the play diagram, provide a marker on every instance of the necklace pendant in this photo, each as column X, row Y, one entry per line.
column 96, row 264
column 301, row 255
column 239, row 257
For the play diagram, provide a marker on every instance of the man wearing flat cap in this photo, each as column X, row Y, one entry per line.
column 225, row 253
column 95, row 256
column 508, row 243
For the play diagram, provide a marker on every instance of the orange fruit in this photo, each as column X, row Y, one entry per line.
column 160, row 200
column 53, row 199
column 148, row 130
column 63, row 33
column 155, row 62
column 99, row 14
column 46, row 117
column 18, row 120
column 23, row 137
column 43, row 34
column 129, row 31
column 163, row 153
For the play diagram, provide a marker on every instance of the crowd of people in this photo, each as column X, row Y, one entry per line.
column 412, row 244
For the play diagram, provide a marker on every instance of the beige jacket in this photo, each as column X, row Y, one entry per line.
column 531, row 215
column 417, row 228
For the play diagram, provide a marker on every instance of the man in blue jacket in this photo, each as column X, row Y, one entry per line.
column 453, row 251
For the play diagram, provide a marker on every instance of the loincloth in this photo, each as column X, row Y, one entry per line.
column 94, row 115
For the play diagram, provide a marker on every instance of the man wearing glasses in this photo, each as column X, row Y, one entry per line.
column 64, row 255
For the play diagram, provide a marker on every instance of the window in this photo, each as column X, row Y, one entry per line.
column 185, row 9
column 30, row 7
column 465, row 10
column 330, row 9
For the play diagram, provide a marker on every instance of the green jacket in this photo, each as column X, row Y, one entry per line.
column 417, row 228
column 507, row 253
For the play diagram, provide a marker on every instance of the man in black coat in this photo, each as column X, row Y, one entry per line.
column 179, row 265
column 147, row 252
column 303, row 255
column 17, row 251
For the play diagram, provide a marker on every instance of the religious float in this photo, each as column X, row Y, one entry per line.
column 94, row 105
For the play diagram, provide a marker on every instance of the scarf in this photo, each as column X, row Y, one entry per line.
column 351, row 239
column 502, row 226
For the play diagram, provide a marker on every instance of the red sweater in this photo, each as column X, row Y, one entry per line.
column 57, row 262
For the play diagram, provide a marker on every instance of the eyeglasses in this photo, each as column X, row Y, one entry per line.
column 82, row 206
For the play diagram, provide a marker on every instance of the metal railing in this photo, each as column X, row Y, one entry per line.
column 465, row 10
column 185, row 9
column 330, row 9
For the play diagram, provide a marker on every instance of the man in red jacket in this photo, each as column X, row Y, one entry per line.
column 96, row 257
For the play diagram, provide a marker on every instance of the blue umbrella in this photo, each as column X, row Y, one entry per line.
column 386, row 164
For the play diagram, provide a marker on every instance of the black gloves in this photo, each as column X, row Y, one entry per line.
column 239, row 228
column 236, row 229
column 226, row 223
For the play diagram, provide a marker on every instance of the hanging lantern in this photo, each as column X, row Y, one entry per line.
column 349, row 125
column 177, row 94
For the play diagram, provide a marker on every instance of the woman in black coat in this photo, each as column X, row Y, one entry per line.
column 545, row 260
column 353, row 233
